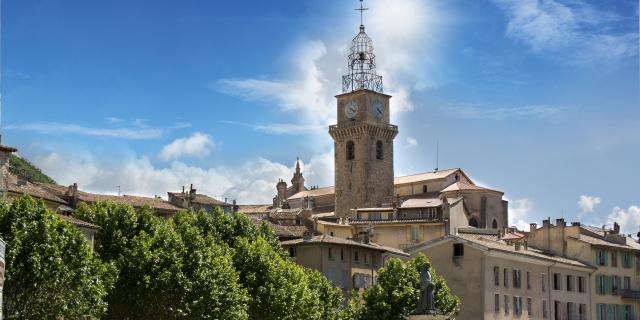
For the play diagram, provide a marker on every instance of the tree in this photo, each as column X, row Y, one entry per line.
column 51, row 271
column 397, row 290
column 167, row 269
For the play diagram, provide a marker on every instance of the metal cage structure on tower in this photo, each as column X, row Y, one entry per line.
column 362, row 66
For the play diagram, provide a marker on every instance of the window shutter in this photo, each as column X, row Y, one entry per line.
column 598, row 283
column 598, row 306
column 609, row 311
column 408, row 233
column 607, row 287
column 606, row 258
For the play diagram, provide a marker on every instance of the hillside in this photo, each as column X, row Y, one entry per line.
column 19, row 165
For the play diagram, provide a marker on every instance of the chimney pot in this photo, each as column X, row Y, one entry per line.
column 560, row 222
column 533, row 226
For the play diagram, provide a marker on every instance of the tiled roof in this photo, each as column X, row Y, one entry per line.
column 283, row 231
column 421, row 203
column 602, row 243
column 329, row 223
column 313, row 193
column 396, row 221
column 202, row 199
column 78, row 222
column 492, row 242
column 465, row 186
column 250, row 209
column 285, row 213
column 440, row 174
column 512, row 236
column 323, row 215
column 31, row 189
column 333, row 240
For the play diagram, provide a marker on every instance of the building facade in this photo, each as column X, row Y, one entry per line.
column 615, row 284
column 497, row 279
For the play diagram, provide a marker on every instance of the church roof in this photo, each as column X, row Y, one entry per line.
column 313, row 193
column 466, row 186
column 421, row 203
column 435, row 175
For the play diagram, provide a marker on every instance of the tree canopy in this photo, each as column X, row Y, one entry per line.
column 51, row 271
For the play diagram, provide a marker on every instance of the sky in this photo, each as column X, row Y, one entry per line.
column 539, row 99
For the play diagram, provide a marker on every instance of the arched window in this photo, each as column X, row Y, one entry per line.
column 379, row 153
column 350, row 150
column 494, row 224
column 473, row 222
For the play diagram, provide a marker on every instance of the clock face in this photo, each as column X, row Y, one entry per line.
column 378, row 109
column 352, row 109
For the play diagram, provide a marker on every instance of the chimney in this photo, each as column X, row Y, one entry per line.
column 533, row 226
column 546, row 223
column 560, row 222
column 306, row 236
column 575, row 224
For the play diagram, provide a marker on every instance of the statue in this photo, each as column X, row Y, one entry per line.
column 426, row 304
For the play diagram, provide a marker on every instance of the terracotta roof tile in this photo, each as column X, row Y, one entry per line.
column 202, row 199
column 31, row 189
column 313, row 193
column 78, row 222
column 603, row 243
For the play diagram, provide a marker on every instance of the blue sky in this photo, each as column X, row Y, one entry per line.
column 539, row 99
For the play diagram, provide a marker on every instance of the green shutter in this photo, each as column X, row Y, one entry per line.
column 598, row 283
column 598, row 311
column 606, row 258
column 609, row 311
column 607, row 285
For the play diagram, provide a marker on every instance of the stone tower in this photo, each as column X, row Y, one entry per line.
column 297, row 182
column 363, row 136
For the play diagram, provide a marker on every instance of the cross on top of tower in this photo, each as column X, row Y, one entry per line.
column 361, row 9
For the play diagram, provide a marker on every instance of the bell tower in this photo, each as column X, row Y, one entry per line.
column 363, row 136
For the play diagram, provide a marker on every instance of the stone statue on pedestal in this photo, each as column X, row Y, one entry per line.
column 426, row 304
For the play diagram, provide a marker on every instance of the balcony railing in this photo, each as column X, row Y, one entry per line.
column 351, row 124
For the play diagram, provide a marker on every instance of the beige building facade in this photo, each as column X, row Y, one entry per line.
column 615, row 283
column 500, row 280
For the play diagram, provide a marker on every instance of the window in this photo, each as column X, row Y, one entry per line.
column 600, row 283
column 626, row 260
column 458, row 250
column 545, row 313
column 601, row 312
column 424, row 189
column 505, row 277
column 615, row 284
column 473, row 222
column 601, row 258
column 350, row 150
column 496, row 303
column 581, row 285
column 366, row 258
column 374, row 215
column 570, row 310
column 506, row 304
column 330, row 253
column 582, row 311
column 379, row 153
column 569, row 283
column 516, row 278
column 494, row 224
column 627, row 283
column 341, row 254
column 415, row 234
column 628, row 313
column 292, row 252
column 557, row 281
column 529, row 307
column 614, row 258
column 557, row 310
column 517, row 305
column 496, row 275
column 355, row 256
column 543, row 276
column 528, row 280
column 331, row 233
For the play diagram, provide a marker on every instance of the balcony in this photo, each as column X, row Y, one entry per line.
column 630, row 294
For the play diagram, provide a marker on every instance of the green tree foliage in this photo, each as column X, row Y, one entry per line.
column 19, row 166
column 397, row 290
column 51, row 271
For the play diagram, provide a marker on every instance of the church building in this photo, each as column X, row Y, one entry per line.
column 367, row 200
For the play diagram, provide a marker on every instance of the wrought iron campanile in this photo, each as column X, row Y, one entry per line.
column 362, row 63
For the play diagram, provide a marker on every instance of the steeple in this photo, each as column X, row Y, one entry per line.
column 362, row 63
column 297, row 182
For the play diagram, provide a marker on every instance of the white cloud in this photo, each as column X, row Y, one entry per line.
column 573, row 27
column 405, row 38
column 412, row 141
column 197, row 145
column 474, row 111
column 519, row 211
column 280, row 128
column 249, row 182
column 628, row 219
column 137, row 132
column 588, row 203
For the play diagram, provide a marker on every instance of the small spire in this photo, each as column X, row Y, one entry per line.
column 361, row 9
column 297, row 164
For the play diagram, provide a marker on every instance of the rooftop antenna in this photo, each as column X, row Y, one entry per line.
column 361, row 9
column 437, row 154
